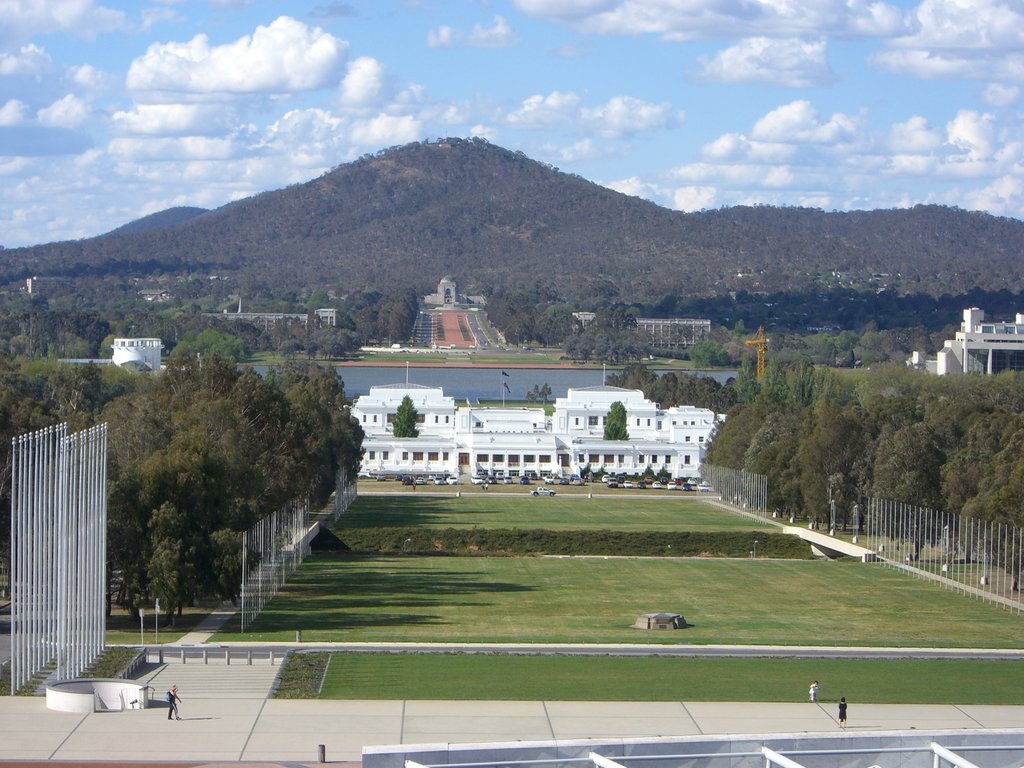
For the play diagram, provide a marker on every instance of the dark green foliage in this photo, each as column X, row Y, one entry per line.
column 615, row 422
column 404, row 424
column 489, row 541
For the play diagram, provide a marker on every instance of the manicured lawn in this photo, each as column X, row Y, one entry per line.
column 649, row 510
column 588, row 600
column 610, row 678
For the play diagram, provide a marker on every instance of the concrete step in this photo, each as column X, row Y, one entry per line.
column 213, row 680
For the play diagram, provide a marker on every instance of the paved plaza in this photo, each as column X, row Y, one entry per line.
column 227, row 716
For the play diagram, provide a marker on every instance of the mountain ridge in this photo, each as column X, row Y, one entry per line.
column 497, row 220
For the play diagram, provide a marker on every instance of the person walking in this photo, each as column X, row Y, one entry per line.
column 172, row 703
column 842, row 712
column 812, row 692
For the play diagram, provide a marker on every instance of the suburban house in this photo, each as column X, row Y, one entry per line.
column 468, row 440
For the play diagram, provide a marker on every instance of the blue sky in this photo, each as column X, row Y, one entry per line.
column 113, row 110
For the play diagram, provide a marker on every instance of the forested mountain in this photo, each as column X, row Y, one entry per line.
column 495, row 219
column 159, row 220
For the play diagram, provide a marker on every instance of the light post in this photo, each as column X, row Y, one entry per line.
column 755, row 549
column 156, row 622
column 142, row 626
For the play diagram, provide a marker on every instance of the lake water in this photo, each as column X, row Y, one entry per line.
column 484, row 383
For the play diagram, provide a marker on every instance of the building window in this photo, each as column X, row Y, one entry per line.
column 445, row 419
column 405, row 455
column 498, row 458
column 638, row 422
column 437, row 419
column 648, row 422
column 444, row 456
column 375, row 418
column 513, row 460
column 622, row 459
column 372, row 456
column 364, row 418
column 384, row 455
column 432, row 456
column 592, row 421
column 391, row 418
column 640, row 458
column 421, row 418
column 687, row 438
column 481, row 458
column 545, row 458
column 579, row 458
column 686, row 459
column 577, row 421
column 700, row 439
column 609, row 459
column 417, row 455
column 668, row 458
column 530, row 458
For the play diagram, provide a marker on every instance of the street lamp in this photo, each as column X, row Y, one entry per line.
column 753, row 552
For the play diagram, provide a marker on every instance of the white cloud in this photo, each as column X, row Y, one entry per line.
column 91, row 79
column 172, row 119
column 498, row 35
column 68, row 112
column 25, row 19
column 385, row 130
column 798, row 122
column 544, row 111
column 737, row 147
column 365, row 84
column 1000, row 95
column 285, row 56
column 956, row 38
column 1004, row 196
column 790, row 62
column 718, row 19
column 694, row 198
column 914, row 136
column 183, row 148
column 13, row 112
column 29, row 60
column 625, row 116
column 971, row 133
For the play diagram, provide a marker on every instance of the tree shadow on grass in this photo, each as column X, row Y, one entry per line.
column 341, row 593
column 370, row 512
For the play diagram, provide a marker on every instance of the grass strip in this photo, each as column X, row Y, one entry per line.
column 661, row 678
column 302, row 676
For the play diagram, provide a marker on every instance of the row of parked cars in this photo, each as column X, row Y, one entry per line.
column 527, row 479
column 620, row 481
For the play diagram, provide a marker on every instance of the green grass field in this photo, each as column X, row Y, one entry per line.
column 660, row 678
column 642, row 511
column 591, row 600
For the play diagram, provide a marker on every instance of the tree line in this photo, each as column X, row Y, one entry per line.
column 951, row 443
column 197, row 454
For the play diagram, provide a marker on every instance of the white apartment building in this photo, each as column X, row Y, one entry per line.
column 470, row 440
column 983, row 346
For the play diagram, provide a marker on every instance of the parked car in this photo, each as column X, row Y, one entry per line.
column 542, row 491
column 704, row 486
column 452, row 480
column 478, row 480
column 524, row 480
column 440, row 481
column 641, row 484
column 657, row 486
column 613, row 483
column 509, row 481
column 627, row 484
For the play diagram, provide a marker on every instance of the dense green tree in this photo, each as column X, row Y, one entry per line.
column 615, row 422
column 404, row 424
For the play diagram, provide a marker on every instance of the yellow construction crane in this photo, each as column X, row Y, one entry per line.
column 761, row 343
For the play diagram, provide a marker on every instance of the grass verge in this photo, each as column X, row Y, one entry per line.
column 302, row 676
column 660, row 678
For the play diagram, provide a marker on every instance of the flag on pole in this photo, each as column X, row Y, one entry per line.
column 503, row 373
column 507, row 389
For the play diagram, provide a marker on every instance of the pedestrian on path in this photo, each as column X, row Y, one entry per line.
column 812, row 692
column 172, row 703
column 842, row 712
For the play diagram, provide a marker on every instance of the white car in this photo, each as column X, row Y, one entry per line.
column 452, row 481
column 542, row 491
column 704, row 487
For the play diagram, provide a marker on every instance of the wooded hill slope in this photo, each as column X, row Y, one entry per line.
column 493, row 218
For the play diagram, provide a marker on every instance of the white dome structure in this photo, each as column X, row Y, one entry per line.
column 137, row 354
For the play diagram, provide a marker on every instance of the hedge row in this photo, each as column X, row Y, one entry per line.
column 491, row 541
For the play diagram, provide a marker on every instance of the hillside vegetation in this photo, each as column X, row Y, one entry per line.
column 495, row 219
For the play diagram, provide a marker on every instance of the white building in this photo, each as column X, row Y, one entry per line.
column 983, row 346
column 137, row 354
column 470, row 440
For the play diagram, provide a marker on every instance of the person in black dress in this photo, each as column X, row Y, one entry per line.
column 842, row 712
